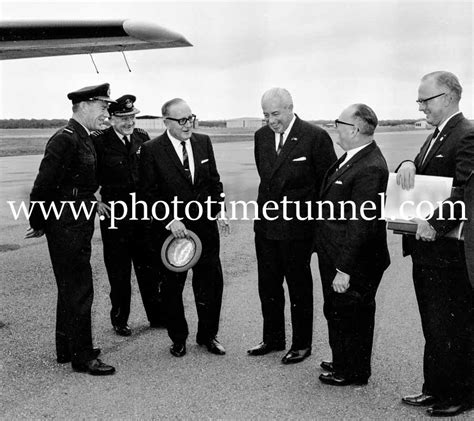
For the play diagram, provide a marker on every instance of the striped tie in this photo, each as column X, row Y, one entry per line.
column 280, row 144
column 186, row 162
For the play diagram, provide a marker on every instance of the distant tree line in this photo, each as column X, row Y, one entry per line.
column 381, row 122
column 23, row 123
column 212, row 123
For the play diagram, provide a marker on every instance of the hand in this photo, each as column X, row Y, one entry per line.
column 406, row 175
column 223, row 224
column 178, row 229
column 424, row 231
column 103, row 210
column 340, row 283
column 31, row 233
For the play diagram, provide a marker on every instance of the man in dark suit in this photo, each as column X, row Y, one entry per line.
column 440, row 276
column 292, row 157
column 469, row 227
column 118, row 156
column 179, row 166
column 351, row 243
column 67, row 173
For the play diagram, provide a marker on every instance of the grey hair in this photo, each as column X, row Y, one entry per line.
column 281, row 93
column 448, row 80
column 366, row 117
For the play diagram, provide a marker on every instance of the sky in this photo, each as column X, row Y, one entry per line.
column 327, row 54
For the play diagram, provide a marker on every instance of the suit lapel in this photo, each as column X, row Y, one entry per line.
column 290, row 143
column 329, row 180
column 169, row 149
column 197, row 157
column 441, row 139
column 135, row 145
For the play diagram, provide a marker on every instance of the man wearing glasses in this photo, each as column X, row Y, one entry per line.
column 179, row 166
column 118, row 155
column 352, row 249
column 443, row 291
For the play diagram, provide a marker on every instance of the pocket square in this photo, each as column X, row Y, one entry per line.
column 204, row 161
column 303, row 158
column 439, row 156
column 338, row 182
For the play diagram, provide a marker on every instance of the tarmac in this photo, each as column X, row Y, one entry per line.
column 152, row 384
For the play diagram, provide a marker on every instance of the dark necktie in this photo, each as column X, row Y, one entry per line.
column 432, row 141
column 280, row 144
column 340, row 161
column 127, row 142
column 187, row 170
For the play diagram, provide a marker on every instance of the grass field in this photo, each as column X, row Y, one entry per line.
column 17, row 142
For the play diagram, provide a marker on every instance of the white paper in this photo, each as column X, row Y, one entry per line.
column 428, row 192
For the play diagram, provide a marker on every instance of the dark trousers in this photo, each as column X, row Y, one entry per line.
column 207, row 284
column 129, row 243
column 69, row 244
column 445, row 301
column 351, row 319
column 278, row 260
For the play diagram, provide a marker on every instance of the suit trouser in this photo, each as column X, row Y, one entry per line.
column 207, row 282
column 130, row 243
column 69, row 244
column 278, row 260
column 351, row 320
column 445, row 301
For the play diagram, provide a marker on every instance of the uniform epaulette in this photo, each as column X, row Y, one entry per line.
column 141, row 131
column 68, row 130
column 97, row 133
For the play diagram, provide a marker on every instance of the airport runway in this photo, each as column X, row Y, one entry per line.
column 152, row 384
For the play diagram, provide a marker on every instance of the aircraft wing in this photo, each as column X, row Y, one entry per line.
column 24, row 39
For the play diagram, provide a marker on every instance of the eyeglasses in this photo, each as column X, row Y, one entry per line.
column 424, row 101
column 184, row 120
column 337, row 121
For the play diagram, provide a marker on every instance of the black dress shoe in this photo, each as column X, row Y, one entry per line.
column 296, row 355
column 178, row 349
column 123, row 330
column 63, row 359
column 327, row 365
column 448, row 409
column 95, row 367
column 264, row 348
column 213, row 346
column 338, row 380
column 421, row 399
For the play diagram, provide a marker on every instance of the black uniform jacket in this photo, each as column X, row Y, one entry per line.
column 118, row 166
column 67, row 170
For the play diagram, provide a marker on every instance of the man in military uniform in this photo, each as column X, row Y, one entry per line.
column 118, row 155
column 67, row 173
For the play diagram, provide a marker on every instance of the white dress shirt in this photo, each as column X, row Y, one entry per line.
column 350, row 153
column 179, row 151
column 285, row 133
